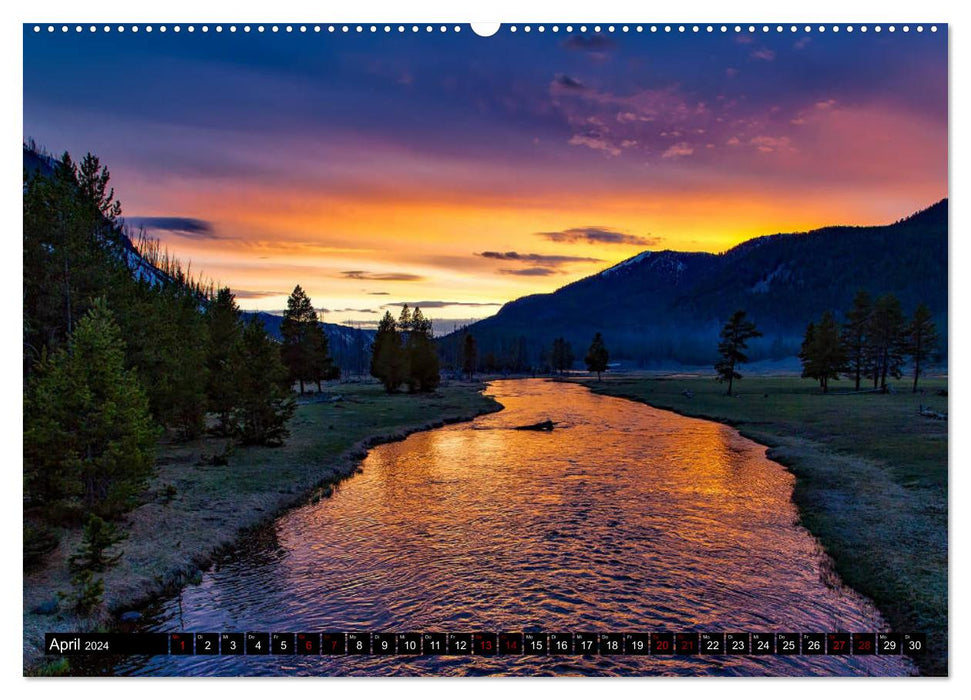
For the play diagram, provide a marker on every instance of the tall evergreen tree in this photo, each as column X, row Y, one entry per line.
column 469, row 355
column 89, row 439
column 225, row 334
column 423, row 369
column 823, row 354
column 855, row 338
column 265, row 402
column 806, row 352
column 387, row 361
column 167, row 340
column 922, row 340
column 68, row 218
column 520, row 358
column 322, row 364
column 305, row 350
column 404, row 320
column 561, row 356
column 733, row 341
column 597, row 356
column 886, row 340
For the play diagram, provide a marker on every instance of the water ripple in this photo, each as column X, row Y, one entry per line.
column 623, row 518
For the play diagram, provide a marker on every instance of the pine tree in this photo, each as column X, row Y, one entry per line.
column 823, row 354
column 922, row 340
column 265, row 403
column 89, row 439
column 422, row 363
column 734, row 339
column 807, row 352
column 67, row 219
column 886, row 340
column 561, row 356
column 404, row 320
column 597, row 356
column 322, row 365
column 166, row 340
column 98, row 537
column 225, row 334
column 469, row 355
column 184, row 388
column 855, row 338
column 300, row 340
column 387, row 354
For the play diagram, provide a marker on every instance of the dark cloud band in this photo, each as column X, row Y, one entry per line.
column 596, row 234
column 537, row 258
column 181, row 225
column 381, row 276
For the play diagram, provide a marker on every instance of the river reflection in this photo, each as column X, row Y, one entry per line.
column 624, row 518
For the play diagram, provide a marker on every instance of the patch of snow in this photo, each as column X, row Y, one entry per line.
column 626, row 263
column 762, row 286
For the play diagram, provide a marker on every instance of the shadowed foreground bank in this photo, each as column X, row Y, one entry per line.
column 174, row 534
column 871, row 480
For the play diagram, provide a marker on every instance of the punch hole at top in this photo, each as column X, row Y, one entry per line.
column 485, row 29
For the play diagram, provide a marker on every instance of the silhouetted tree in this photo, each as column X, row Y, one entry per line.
column 855, row 338
column 597, row 356
column 225, row 334
column 404, row 319
column 822, row 353
column 922, row 339
column 734, row 339
column 561, row 356
column 886, row 340
column 469, row 355
column 489, row 363
column 322, row 365
column 305, row 349
column 387, row 355
column 424, row 373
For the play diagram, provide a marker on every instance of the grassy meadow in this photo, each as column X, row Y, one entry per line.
column 871, row 479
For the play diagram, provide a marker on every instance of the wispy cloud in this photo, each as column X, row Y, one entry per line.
column 180, row 225
column 678, row 150
column 255, row 294
column 381, row 276
column 537, row 258
column 530, row 272
column 763, row 55
column 597, row 234
column 440, row 304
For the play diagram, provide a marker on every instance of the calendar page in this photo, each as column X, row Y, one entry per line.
column 544, row 349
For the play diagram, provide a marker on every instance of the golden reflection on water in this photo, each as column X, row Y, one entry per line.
column 624, row 518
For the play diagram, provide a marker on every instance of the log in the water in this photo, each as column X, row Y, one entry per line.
column 546, row 425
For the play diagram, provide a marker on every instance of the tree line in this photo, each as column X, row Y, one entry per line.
column 557, row 360
column 122, row 344
column 404, row 352
column 872, row 344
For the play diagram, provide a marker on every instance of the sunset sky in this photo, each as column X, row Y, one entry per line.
column 460, row 172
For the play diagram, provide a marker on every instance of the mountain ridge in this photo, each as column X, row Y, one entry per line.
column 668, row 305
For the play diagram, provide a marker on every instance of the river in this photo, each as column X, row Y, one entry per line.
column 624, row 518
